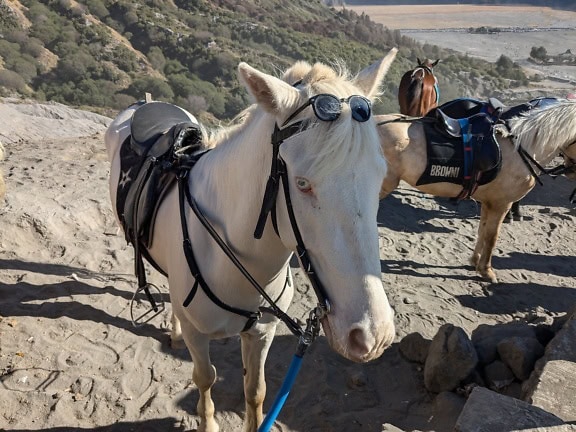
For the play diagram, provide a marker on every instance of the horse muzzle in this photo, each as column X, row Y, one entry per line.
column 359, row 342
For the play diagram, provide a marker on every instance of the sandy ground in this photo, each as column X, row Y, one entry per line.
column 70, row 357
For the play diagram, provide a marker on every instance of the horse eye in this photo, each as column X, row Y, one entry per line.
column 303, row 184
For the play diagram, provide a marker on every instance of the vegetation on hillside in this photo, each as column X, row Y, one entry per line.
column 107, row 53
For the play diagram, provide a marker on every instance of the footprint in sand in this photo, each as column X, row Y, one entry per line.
column 80, row 351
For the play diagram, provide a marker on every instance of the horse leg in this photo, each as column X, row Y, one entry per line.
column 514, row 213
column 176, row 339
column 390, row 183
column 203, row 375
column 475, row 259
column 255, row 346
column 490, row 222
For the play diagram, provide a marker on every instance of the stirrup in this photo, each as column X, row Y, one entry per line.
column 151, row 312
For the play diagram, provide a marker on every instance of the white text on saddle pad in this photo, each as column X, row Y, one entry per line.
column 444, row 171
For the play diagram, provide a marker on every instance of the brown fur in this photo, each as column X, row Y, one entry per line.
column 417, row 93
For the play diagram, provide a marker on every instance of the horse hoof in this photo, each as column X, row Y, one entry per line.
column 518, row 218
column 489, row 276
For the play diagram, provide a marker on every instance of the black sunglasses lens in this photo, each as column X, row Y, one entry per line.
column 360, row 108
column 327, row 107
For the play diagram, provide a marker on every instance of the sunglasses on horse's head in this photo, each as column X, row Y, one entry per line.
column 328, row 107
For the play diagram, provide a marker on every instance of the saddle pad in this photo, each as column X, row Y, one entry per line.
column 445, row 158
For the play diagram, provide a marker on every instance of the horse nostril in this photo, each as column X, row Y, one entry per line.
column 359, row 345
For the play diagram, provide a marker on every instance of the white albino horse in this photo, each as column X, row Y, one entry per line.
column 335, row 170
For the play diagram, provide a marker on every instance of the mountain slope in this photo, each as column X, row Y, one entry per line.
column 106, row 53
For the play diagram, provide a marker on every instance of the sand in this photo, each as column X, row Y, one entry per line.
column 71, row 359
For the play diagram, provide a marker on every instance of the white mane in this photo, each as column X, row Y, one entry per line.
column 344, row 140
column 543, row 132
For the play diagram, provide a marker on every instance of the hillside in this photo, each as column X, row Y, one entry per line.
column 106, row 53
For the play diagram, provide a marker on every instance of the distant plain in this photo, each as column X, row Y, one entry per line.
column 447, row 26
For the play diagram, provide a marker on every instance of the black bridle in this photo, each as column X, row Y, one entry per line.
column 278, row 173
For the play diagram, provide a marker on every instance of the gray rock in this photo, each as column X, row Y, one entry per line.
column 488, row 411
column 498, row 375
column 486, row 338
column 414, row 347
column 520, row 354
column 450, row 360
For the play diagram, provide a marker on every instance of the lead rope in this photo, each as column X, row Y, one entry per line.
column 306, row 339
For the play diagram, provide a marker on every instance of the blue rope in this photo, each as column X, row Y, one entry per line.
column 282, row 394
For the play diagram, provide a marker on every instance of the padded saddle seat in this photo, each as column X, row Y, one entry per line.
column 152, row 120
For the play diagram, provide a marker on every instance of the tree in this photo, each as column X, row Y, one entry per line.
column 157, row 59
column 539, row 53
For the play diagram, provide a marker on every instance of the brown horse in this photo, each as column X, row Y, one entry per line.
column 543, row 133
column 418, row 92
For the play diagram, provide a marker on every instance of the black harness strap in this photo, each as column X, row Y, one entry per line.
column 272, row 185
column 303, row 256
column 279, row 174
column 252, row 317
column 530, row 162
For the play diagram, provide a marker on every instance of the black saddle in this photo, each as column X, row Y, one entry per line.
column 468, row 124
column 516, row 110
column 466, row 107
column 160, row 134
column 152, row 120
column 477, row 134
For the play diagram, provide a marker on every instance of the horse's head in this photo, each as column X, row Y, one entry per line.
column 334, row 169
column 427, row 63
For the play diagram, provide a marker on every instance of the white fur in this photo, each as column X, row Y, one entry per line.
column 343, row 163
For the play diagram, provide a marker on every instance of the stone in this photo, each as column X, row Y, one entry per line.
column 387, row 427
column 451, row 359
column 498, row 375
column 555, row 389
column 552, row 384
column 488, row 411
column 486, row 338
column 520, row 354
column 414, row 347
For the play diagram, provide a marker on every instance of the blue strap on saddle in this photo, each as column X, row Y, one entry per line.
column 467, row 145
column 437, row 90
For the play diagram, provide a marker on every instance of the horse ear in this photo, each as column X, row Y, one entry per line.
column 436, row 62
column 370, row 78
column 419, row 61
column 271, row 93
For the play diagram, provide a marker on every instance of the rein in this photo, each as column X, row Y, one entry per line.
column 530, row 163
column 278, row 173
column 252, row 317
